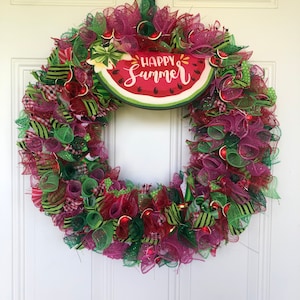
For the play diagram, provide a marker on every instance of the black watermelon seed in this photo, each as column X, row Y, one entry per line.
column 116, row 71
column 155, row 90
column 139, row 89
column 197, row 71
column 171, row 91
column 193, row 79
column 120, row 81
column 179, row 86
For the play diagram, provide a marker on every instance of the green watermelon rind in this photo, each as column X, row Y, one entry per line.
column 165, row 102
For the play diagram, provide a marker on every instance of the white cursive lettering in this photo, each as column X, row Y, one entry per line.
column 156, row 75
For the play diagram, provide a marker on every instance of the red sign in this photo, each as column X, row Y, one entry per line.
column 158, row 80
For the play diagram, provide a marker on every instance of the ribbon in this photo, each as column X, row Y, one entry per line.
column 105, row 55
column 23, row 123
column 49, row 182
column 80, row 52
column 219, row 198
column 57, row 197
column 231, row 141
column 72, row 240
column 98, row 149
column 156, row 225
column 116, row 250
column 103, row 235
column 212, row 168
column 130, row 257
column 36, row 197
column 57, row 72
column 236, row 191
column 206, row 214
column 208, row 145
column 148, row 9
column 259, row 200
column 88, row 187
column 145, row 28
column 122, row 230
column 72, row 205
column 235, row 159
column 73, row 189
column 161, row 198
column 186, row 236
column 64, row 134
column 39, row 129
column 173, row 251
column 147, row 257
column 192, row 209
column 94, row 219
column 271, row 190
column 136, row 229
column 173, row 214
column 238, row 215
column 52, row 208
column 244, row 79
column 203, row 42
column 96, row 23
column 53, row 145
column 164, row 21
column 34, row 144
column 234, row 123
column 97, row 174
column 204, row 220
column 64, row 56
column 79, row 144
column 216, row 132
column 77, row 223
column 49, row 92
column 92, row 203
column 66, row 156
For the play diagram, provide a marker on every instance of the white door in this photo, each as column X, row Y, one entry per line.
column 36, row 264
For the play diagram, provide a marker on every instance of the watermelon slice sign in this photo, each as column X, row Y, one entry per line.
column 157, row 80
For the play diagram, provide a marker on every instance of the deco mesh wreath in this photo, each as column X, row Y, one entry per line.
column 228, row 175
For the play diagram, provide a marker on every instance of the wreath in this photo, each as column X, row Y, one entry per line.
column 227, row 178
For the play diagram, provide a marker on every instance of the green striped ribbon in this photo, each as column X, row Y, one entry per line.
column 91, row 107
column 39, row 129
column 52, row 209
column 173, row 214
column 22, row 145
column 238, row 215
column 204, row 219
column 53, row 59
column 235, row 231
column 58, row 72
column 76, row 223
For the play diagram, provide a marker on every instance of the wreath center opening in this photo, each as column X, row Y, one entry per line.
column 143, row 144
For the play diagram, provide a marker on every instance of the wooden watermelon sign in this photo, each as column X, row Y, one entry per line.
column 157, row 80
